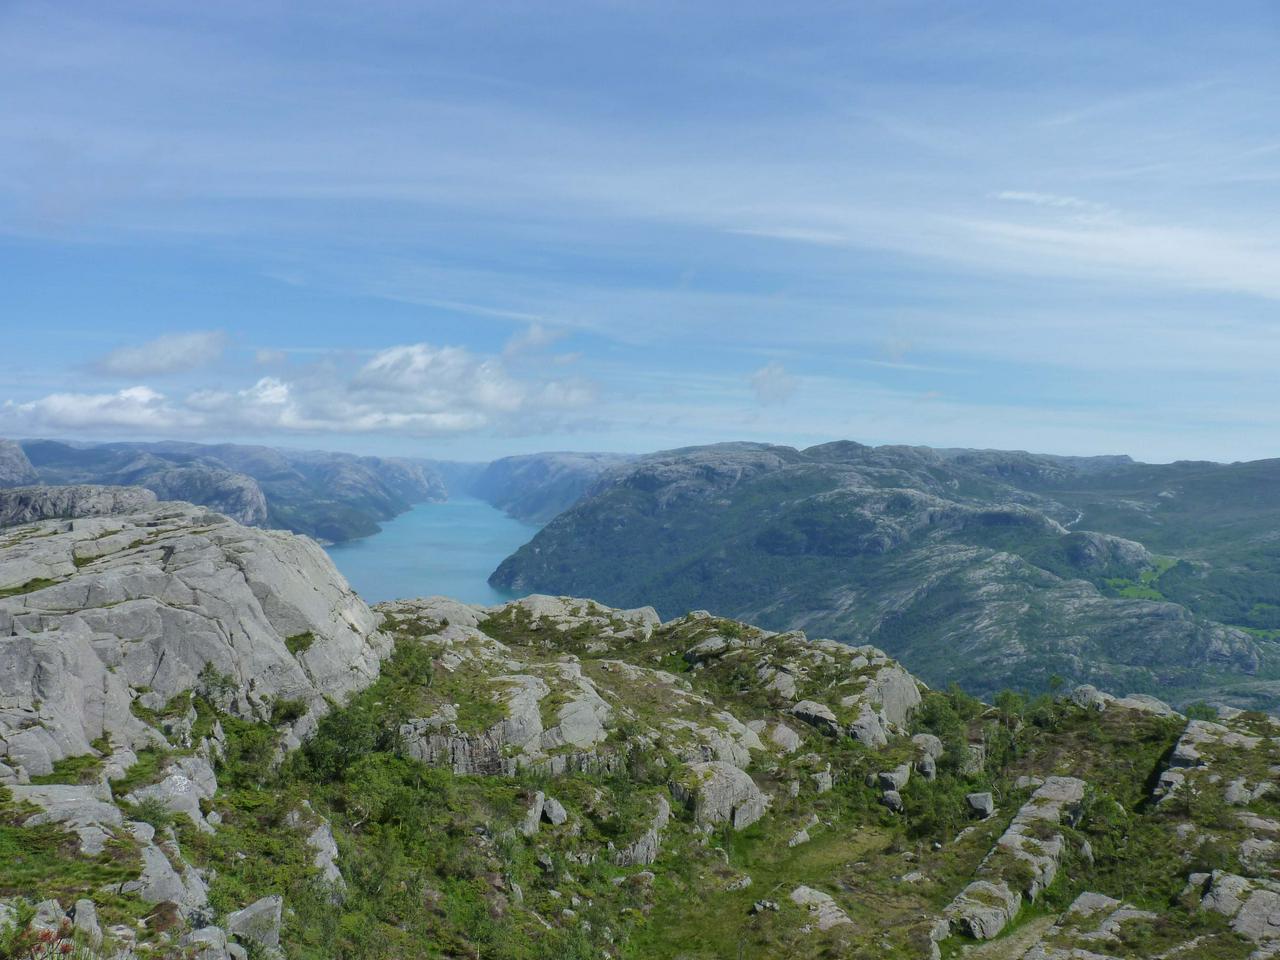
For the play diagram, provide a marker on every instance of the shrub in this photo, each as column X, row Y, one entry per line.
column 299, row 642
column 287, row 711
column 153, row 811
column 1201, row 711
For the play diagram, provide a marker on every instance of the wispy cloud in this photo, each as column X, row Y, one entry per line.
column 534, row 338
column 773, row 384
column 172, row 353
column 799, row 234
column 1051, row 200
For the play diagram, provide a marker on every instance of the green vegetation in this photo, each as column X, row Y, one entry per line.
column 419, row 876
column 299, row 643
column 39, row 583
column 82, row 769
column 47, row 859
column 284, row 710
column 1147, row 584
column 146, row 770
column 437, row 864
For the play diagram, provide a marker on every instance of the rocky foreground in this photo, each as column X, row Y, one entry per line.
column 209, row 747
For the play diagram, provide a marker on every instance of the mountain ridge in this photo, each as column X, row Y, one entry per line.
column 921, row 553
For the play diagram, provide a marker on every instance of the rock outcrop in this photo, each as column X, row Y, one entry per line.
column 109, row 614
column 719, row 792
column 1023, row 863
column 234, row 495
column 31, row 504
column 15, row 469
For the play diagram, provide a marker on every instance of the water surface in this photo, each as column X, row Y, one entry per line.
column 445, row 548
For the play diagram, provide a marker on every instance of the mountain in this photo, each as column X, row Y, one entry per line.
column 209, row 747
column 535, row 487
column 15, row 469
column 989, row 568
column 329, row 496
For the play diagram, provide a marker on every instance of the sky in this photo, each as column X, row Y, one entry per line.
column 474, row 229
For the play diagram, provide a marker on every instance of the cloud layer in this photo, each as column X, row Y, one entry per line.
column 413, row 390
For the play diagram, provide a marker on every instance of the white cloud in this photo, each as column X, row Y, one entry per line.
column 134, row 408
column 772, row 384
column 266, row 357
column 172, row 353
column 409, row 390
column 434, row 379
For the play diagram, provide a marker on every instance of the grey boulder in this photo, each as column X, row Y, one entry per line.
column 259, row 922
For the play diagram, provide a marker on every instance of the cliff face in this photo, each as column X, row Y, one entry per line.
column 15, row 469
column 22, row 505
column 101, row 609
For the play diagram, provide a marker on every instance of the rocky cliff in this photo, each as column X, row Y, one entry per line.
column 104, row 611
column 15, row 469
column 22, row 505
column 211, row 748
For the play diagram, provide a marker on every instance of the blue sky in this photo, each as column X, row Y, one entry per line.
column 472, row 229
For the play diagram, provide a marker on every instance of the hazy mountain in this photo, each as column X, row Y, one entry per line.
column 330, row 496
column 537, row 487
column 991, row 568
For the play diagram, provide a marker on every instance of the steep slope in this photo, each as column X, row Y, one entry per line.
column 556, row 779
column 15, row 469
column 103, row 612
column 941, row 560
column 331, row 496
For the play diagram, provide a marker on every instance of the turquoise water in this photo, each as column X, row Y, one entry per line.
column 445, row 548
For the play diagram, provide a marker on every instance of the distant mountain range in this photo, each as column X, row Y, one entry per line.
column 991, row 568
column 330, row 496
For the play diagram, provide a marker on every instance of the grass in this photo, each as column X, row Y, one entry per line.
column 31, row 586
column 82, row 769
column 47, row 859
column 146, row 770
